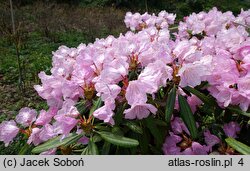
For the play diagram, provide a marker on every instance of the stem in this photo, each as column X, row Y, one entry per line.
column 146, row 5
column 12, row 17
column 16, row 42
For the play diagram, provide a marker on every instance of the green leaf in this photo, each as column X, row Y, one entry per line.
column 92, row 148
column 106, row 148
column 116, row 130
column 160, row 122
column 85, row 151
column 102, row 128
column 56, row 142
column 170, row 105
column 208, row 100
column 238, row 111
column 134, row 127
column 119, row 114
column 81, row 107
column 96, row 104
column 118, row 140
column 24, row 149
column 155, row 131
column 144, row 142
column 187, row 116
column 97, row 138
column 238, row 146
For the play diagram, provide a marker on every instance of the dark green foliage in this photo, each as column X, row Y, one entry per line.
column 187, row 116
column 170, row 105
column 58, row 141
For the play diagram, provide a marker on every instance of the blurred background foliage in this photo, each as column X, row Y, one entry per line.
column 43, row 25
column 182, row 7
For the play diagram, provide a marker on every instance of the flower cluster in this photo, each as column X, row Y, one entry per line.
column 138, row 22
column 212, row 47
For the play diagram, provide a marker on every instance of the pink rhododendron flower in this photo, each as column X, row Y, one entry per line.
column 136, row 92
column 193, row 102
column 45, row 117
column 84, row 140
column 231, row 129
column 193, row 73
column 154, row 76
column 139, row 111
column 169, row 147
column 68, row 109
column 8, row 131
column 35, row 137
column 39, row 135
column 243, row 18
column 105, row 113
column 26, row 116
column 210, row 139
column 195, row 149
column 47, row 132
column 178, row 126
column 107, row 91
column 137, row 21
column 64, row 124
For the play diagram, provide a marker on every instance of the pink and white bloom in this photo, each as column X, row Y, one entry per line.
column 64, row 124
column 196, row 149
column 47, row 132
column 26, row 116
column 136, row 92
column 154, row 76
column 46, row 116
column 211, row 139
column 231, row 129
column 8, row 131
column 35, row 137
column 192, row 74
column 140, row 111
column 105, row 112
column 68, row 109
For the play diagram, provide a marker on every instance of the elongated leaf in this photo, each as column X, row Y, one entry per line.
column 144, row 142
column 238, row 111
column 81, row 107
column 96, row 104
column 134, row 127
column 118, row 140
column 96, row 138
column 24, row 149
column 160, row 122
column 119, row 114
column 187, row 116
column 238, row 146
column 102, row 128
column 92, row 148
column 106, row 148
column 170, row 105
column 72, row 140
column 56, row 142
column 116, row 130
column 208, row 100
column 151, row 125
column 85, row 151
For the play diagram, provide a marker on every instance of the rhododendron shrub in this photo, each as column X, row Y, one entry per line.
column 152, row 90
